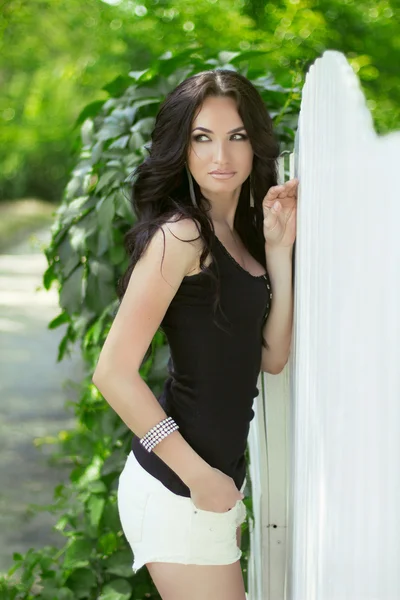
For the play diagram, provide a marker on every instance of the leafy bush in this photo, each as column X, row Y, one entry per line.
column 85, row 259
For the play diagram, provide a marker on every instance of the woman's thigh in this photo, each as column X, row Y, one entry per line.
column 198, row 582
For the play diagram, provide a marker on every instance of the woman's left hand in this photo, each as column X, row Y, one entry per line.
column 280, row 209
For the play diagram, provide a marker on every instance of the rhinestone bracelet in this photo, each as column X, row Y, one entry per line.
column 158, row 433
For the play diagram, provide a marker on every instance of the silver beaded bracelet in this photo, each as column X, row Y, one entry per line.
column 158, row 433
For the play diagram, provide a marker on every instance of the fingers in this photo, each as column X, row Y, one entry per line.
column 288, row 189
column 284, row 191
column 271, row 217
column 291, row 187
column 274, row 192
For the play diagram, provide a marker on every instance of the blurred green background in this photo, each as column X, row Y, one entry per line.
column 56, row 56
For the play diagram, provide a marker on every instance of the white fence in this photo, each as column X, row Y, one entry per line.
column 325, row 440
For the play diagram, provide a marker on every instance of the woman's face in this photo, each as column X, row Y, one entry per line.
column 224, row 147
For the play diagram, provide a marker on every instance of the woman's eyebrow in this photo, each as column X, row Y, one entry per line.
column 209, row 130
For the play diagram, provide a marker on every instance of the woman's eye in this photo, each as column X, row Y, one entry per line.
column 240, row 136
column 197, row 137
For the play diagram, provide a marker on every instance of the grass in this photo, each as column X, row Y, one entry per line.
column 19, row 218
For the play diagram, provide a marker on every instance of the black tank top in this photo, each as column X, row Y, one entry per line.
column 213, row 368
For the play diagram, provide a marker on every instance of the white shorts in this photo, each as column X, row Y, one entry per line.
column 161, row 526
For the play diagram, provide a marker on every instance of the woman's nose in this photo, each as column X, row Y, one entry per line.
column 221, row 152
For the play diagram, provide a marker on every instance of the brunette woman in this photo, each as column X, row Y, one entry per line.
column 211, row 265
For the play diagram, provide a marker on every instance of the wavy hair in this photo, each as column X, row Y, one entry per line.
column 160, row 190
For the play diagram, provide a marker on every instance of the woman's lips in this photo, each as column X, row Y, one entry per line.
column 222, row 175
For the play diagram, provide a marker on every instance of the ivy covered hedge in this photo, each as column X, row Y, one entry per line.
column 85, row 259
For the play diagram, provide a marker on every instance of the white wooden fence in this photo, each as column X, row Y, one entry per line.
column 325, row 440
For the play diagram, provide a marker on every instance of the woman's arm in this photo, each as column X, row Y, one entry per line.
column 278, row 329
column 149, row 293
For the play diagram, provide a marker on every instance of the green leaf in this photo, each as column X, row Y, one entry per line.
column 114, row 162
column 126, row 114
column 96, row 487
column 119, row 589
column 97, row 151
column 50, row 590
column 94, row 332
column 267, row 82
column 109, row 131
column 82, row 582
column 71, row 295
column 77, row 235
column 136, row 141
column 105, row 213
column 144, row 126
column 64, row 594
column 90, row 110
column 108, row 421
column 59, row 320
column 90, row 472
column 137, row 75
column 170, row 62
column 107, row 177
column 245, row 56
column 117, row 254
column 63, row 347
column 108, row 543
column 110, row 519
column 114, row 126
column 17, row 556
column 100, row 289
column 78, row 554
column 227, row 57
column 120, row 142
column 117, row 86
column 95, row 507
column 123, row 207
column 49, row 276
column 120, row 563
column 69, row 258
column 67, row 213
column 147, row 102
column 112, row 464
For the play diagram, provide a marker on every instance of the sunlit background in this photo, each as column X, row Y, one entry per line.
column 56, row 56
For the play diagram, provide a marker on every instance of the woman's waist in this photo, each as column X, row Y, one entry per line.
column 214, row 410
column 201, row 385
column 208, row 421
column 229, row 460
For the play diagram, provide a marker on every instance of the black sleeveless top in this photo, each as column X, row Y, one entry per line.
column 214, row 366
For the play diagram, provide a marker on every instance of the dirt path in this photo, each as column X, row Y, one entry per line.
column 32, row 398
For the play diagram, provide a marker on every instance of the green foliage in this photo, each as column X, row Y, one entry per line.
column 367, row 32
column 85, row 259
column 53, row 62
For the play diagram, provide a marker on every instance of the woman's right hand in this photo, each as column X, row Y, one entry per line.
column 216, row 493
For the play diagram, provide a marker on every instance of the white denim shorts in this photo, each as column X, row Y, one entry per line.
column 161, row 526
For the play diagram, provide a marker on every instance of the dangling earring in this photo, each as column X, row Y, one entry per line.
column 191, row 188
column 251, row 193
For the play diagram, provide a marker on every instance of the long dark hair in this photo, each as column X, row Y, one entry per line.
column 161, row 190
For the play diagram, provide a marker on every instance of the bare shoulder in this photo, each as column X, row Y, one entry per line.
column 185, row 229
column 174, row 250
column 180, row 241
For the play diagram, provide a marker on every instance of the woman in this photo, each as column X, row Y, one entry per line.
column 211, row 219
